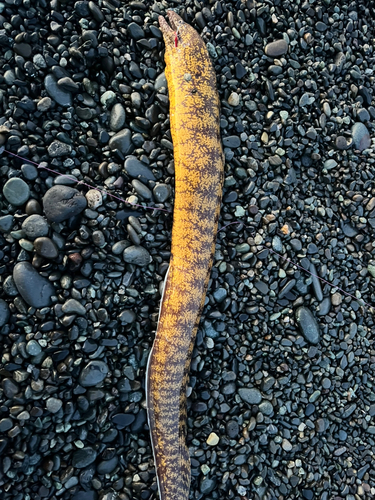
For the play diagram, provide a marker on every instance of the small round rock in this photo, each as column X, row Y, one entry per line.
column 276, row 48
column 16, row 191
column 53, row 405
column 213, row 439
column 93, row 373
column 35, row 226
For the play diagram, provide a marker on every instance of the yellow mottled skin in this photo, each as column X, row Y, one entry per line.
column 199, row 165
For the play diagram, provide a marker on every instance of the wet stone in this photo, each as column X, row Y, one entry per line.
column 316, row 283
column 251, row 396
column 10, row 388
column 232, row 141
column 53, row 405
column 117, row 118
column 93, row 373
column 232, row 429
column 35, row 290
column 276, row 48
column 136, row 168
column 62, row 202
column 137, row 255
column 33, row 348
column 266, row 408
column 5, row 424
column 308, row 325
column 58, row 148
column 161, row 192
column 121, row 141
column 4, row 313
column 341, row 142
column 361, row 136
column 122, row 420
column 16, row 191
column 72, row 306
column 107, row 466
column 46, row 248
column 59, row 95
column 35, row 226
column 6, row 223
column 83, row 457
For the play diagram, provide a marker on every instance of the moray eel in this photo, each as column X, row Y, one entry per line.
column 199, row 172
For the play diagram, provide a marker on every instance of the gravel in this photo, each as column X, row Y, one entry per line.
column 281, row 394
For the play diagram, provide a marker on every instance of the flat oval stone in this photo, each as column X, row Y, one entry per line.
column 308, row 325
column 35, row 226
column 117, row 118
column 276, row 48
column 35, row 290
column 59, row 95
column 4, row 313
column 107, row 466
column 46, row 248
column 84, row 457
column 137, row 255
column 6, row 223
column 93, row 373
column 251, row 396
column 16, row 191
column 63, row 202
column 136, row 168
column 361, row 136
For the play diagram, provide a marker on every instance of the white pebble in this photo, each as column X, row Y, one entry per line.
column 94, row 198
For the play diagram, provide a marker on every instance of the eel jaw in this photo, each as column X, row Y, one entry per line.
column 169, row 31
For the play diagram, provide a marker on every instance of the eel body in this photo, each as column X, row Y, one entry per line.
column 199, row 172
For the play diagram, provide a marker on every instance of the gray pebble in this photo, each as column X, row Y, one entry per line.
column 137, row 255
column 93, row 373
column 107, row 466
column 62, row 202
column 363, row 115
column 10, row 387
column 117, row 118
column 160, row 82
column 6, row 223
column 59, row 95
column 324, row 306
column 316, row 283
column 16, row 191
column 84, row 457
column 33, row 348
column 46, row 248
column 142, row 190
column 35, row 290
column 361, row 136
column 136, row 168
column 161, row 192
column 58, row 148
column 4, row 313
column 121, row 141
column 127, row 316
column 72, row 306
column 5, row 424
column 53, row 405
column 232, row 141
column 276, row 48
column 251, row 396
column 308, row 325
column 341, row 142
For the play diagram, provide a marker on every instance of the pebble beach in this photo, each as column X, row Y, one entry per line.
column 281, row 399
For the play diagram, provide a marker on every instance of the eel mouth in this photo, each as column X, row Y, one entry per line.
column 169, row 30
